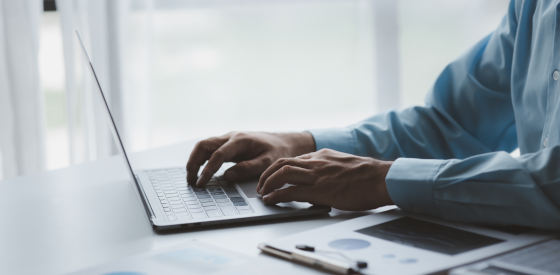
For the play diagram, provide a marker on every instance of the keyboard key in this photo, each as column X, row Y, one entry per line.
column 231, row 191
column 206, row 204
column 222, row 200
column 245, row 212
column 193, row 207
column 196, row 210
column 239, row 203
column 214, row 213
column 199, row 215
column 190, row 201
column 185, row 217
column 228, row 210
column 239, row 208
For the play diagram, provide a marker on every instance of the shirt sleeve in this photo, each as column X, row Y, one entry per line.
column 451, row 154
column 492, row 188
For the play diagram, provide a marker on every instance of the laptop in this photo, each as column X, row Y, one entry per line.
column 172, row 204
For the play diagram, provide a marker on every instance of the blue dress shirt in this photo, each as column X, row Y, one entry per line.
column 451, row 155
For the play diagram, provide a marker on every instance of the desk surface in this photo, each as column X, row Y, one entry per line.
column 90, row 214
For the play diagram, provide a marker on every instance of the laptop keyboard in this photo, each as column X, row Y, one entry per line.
column 182, row 201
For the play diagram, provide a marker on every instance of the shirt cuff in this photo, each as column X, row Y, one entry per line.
column 410, row 184
column 339, row 139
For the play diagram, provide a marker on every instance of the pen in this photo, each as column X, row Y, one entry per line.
column 309, row 259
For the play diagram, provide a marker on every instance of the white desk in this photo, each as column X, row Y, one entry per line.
column 86, row 215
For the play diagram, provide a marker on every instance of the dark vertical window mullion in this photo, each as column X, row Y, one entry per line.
column 49, row 5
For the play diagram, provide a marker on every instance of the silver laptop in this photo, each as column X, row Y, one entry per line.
column 173, row 204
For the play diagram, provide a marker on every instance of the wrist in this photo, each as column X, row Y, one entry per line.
column 300, row 143
column 385, row 166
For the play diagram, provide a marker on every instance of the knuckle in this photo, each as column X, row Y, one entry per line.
column 284, row 170
column 238, row 135
column 199, row 145
column 283, row 161
column 266, row 161
column 240, row 166
column 218, row 155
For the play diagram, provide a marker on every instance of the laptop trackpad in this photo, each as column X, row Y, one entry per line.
column 249, row 188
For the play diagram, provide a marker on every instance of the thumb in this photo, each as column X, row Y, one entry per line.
column 246, row 170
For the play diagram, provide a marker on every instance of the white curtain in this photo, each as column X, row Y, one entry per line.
column 22, row 123
column 98, row 25
column 102, row 25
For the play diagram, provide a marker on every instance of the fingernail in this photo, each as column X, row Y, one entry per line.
column 266, row 199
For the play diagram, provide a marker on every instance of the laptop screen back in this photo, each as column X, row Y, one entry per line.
column 106, row 107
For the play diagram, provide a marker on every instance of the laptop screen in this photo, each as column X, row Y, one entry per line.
column 106, row 107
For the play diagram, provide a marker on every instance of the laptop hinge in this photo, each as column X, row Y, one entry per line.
column 145, row 201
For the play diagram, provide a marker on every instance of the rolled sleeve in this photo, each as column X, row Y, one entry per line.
column 410, row 183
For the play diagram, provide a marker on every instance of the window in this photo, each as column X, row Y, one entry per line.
column 261, row 65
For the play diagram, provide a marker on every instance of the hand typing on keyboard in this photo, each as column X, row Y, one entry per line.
column 253, row 152
column 325, row 177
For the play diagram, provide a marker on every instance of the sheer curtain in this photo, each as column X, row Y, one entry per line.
column 102, row 25
column 22, row 123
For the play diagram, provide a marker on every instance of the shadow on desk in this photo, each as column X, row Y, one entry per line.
column 334, row 215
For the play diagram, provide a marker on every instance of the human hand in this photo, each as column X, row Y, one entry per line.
column 252, row 151
column 327, row 177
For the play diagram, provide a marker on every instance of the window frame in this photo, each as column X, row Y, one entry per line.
column 49, row 5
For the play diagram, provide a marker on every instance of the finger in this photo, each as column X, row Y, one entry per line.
column 202, row 152
column 277, row 165
column 287, row 174
column 247, row 170
column 226, row 152
column 293, row 193
column 305, row 156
